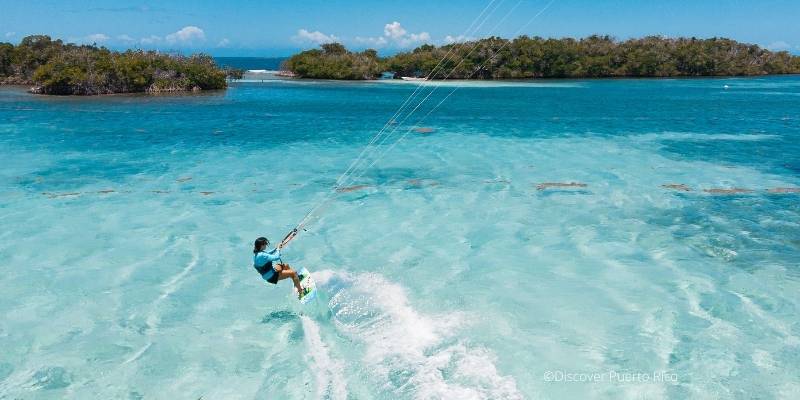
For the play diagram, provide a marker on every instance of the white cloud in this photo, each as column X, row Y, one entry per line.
column 223, row 43
column 10, row 34
column 779, row 45
column 316, row 37
column 125, row 39
column 457, row 39
column 394, row 30
column 97, row 38
column 187, row 34
column 152, row 39
column 379, row 41
column 415, row 38
column 395, row 34
column 89, row 39
column 400, row 36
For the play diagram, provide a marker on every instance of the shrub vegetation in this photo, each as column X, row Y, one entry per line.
column 535, row 57
column 69, row 69
column 333, row 61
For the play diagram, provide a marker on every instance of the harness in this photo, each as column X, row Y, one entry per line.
column 264, row 268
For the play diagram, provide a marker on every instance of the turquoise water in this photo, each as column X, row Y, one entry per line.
column 251, row 63
column 128, row 223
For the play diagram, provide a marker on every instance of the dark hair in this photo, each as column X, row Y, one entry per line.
column 260, row 242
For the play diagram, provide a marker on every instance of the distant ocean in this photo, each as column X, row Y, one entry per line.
column 251, row 63
column 566, row 239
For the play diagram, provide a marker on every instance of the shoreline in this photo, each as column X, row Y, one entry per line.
column 278, row 75
column 275, row 77
column 25, row 89
column 588, row 78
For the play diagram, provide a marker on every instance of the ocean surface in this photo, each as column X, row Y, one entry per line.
column 525, row 247
column 251, row 63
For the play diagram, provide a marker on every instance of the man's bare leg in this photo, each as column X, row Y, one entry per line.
column 285, row 271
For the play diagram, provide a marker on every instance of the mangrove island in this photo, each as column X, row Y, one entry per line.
column 58, row 68
column 535, row 57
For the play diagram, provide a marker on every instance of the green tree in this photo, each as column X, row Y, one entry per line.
column 6, row 59
column 334, row 61
column 527, row 57
column 58, row 68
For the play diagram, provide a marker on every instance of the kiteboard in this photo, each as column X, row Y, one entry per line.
column 308, row 285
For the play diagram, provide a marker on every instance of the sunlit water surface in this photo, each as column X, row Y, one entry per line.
column 128, row 223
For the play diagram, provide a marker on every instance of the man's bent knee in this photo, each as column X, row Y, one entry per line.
column 286, row 271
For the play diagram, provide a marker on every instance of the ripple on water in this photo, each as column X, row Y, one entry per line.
column 455, row 277
column 50, row 378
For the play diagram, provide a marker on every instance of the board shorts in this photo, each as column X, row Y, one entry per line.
column 268, row 269
column 274, row 278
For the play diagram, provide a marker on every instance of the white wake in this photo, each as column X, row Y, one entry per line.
column 416, row 355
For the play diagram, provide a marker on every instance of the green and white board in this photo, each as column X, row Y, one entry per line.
column 307, row 283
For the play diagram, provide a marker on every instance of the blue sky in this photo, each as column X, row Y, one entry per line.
column 276, row 28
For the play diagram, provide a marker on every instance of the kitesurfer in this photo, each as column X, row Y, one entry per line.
column 266, row 263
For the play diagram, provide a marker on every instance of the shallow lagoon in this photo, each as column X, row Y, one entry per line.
column 128, row 223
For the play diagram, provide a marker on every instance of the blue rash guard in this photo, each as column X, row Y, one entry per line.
column 262, row 262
